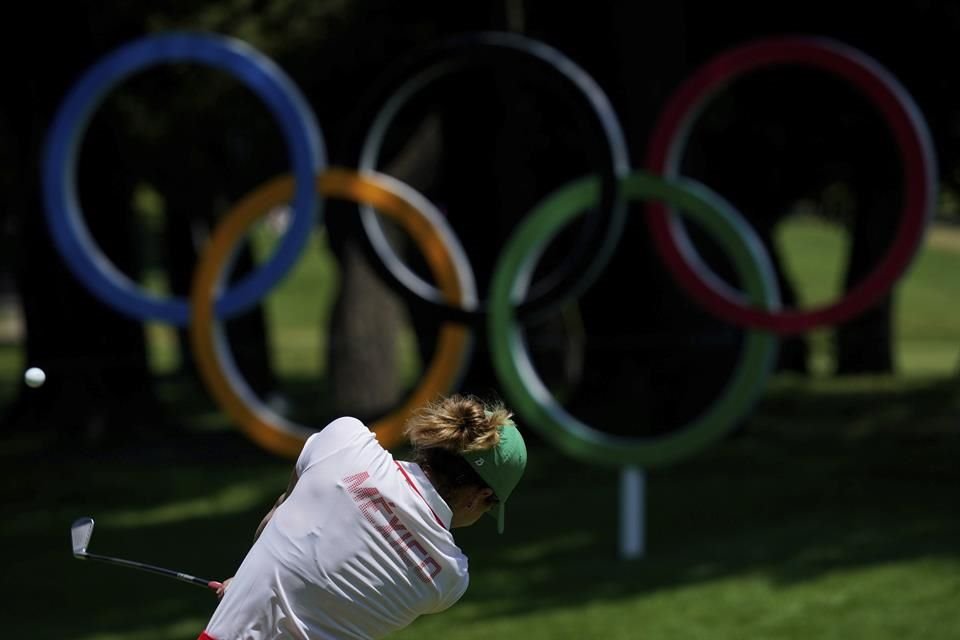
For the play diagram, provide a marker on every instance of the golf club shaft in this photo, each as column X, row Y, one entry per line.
column 210, row 584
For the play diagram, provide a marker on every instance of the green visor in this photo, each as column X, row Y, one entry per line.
column 501, row 467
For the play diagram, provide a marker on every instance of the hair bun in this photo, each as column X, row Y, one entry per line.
column 458, row 423
column 473, row 424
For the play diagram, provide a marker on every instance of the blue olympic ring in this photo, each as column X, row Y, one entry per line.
column 268, row 81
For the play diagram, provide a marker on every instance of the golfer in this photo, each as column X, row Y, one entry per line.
column 360, row 544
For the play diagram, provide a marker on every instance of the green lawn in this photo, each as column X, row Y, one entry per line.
column 831, row 513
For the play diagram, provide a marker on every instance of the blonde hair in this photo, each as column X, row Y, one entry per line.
column 458, row 424
column 442, row 431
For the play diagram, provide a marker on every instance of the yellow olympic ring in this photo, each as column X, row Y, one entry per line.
column 389, row 197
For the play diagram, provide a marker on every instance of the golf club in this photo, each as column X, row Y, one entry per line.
column 82, row 530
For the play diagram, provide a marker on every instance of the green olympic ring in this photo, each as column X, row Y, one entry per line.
column 511, row 358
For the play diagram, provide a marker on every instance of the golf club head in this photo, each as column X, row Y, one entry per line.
column 80, row 532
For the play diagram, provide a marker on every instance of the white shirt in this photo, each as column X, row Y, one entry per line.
column 359, row 549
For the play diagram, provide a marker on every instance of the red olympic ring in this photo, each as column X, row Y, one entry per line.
column 672, row 131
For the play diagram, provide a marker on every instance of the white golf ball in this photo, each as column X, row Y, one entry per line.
column 34, row 377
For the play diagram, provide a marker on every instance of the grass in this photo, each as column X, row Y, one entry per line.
column 830, row 513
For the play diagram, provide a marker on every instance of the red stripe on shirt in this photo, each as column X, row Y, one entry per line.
column 411, row 483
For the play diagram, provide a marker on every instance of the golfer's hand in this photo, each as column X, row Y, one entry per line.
column 223, row 588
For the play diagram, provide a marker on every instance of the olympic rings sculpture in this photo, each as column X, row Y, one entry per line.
column 514, row 298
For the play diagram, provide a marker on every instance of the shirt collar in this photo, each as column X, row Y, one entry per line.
column 429, row 493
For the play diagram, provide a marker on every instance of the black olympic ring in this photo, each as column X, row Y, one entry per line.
column 602, row 227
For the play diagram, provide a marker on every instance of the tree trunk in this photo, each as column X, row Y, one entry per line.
column 864, row 344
